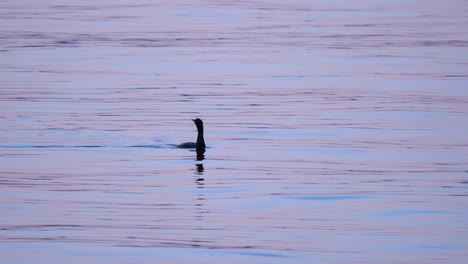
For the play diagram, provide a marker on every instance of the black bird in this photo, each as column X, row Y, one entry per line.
column 200, row 144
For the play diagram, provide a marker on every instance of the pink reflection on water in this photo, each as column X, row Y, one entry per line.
column 336, row 132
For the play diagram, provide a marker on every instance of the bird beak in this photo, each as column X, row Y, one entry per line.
column 193, row 120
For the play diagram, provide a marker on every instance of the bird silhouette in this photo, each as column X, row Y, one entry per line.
column 200, row 144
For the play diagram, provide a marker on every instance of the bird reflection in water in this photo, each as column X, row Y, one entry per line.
column 200, row 157
column 199, row 171
column 199, row 215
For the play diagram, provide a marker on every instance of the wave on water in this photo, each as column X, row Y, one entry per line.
column 79, row 146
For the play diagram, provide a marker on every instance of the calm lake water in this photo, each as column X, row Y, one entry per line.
column 337, row 131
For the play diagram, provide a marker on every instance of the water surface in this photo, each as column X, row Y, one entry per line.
column 336, row 132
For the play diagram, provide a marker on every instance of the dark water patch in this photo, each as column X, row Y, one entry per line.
column 71, row 190
column 404, row 213
column 456, row 76
column 76, row 146
column 33, row 146
column 33, row 46
column 74, row 43
column 38, row 227
column 144, row 146
column 263, row 254
column 328, row 197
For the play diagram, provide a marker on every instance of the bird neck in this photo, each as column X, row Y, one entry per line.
column 200, row 139
column 200, row 145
